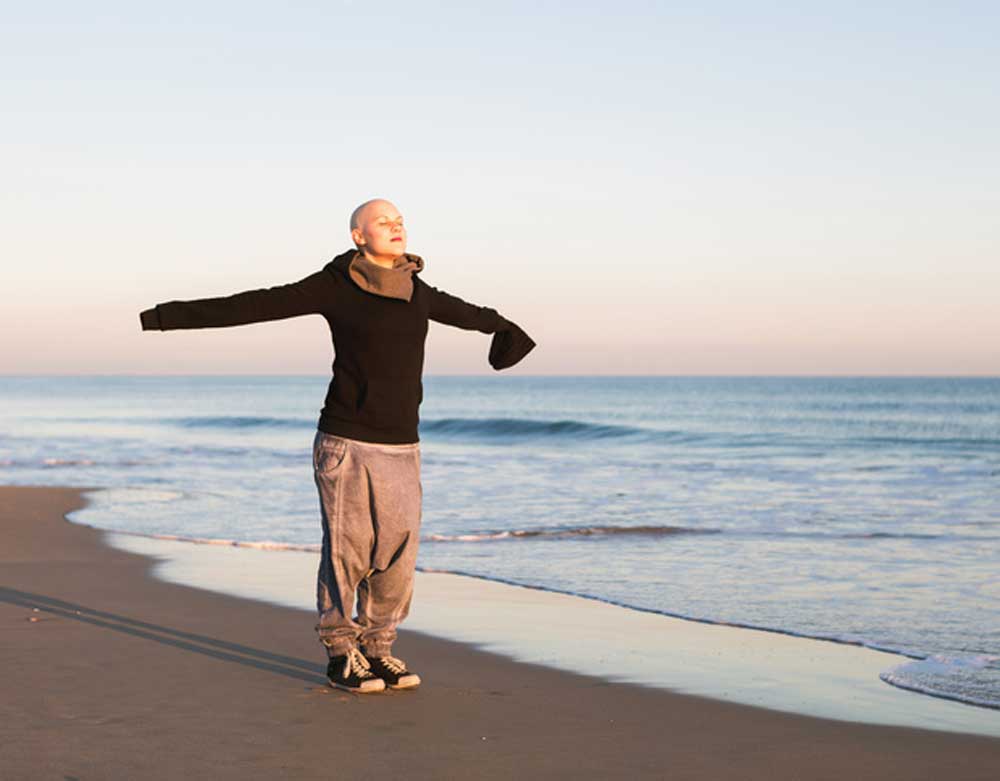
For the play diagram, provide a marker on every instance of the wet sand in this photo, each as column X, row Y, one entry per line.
column 758, row 667
column 111, row 673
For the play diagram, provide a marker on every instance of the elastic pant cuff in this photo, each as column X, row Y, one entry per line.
column 337, row 648
column 375, row 651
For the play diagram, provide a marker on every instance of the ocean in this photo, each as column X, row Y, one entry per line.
column 855, row 510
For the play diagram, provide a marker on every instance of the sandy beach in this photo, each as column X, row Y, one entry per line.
column 112, row 673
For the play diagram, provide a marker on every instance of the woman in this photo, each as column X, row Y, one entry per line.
column 366, row 452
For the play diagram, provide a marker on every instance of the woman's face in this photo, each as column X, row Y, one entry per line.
column 380, row 231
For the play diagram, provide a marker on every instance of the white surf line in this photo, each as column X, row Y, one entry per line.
column 750, row 666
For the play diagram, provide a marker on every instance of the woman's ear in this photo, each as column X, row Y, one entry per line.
column 357, row 237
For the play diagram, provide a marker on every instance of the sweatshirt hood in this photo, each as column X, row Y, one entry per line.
column 395, row 282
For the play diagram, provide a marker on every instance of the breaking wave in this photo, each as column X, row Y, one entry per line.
column 528, row 427
column 557, row 533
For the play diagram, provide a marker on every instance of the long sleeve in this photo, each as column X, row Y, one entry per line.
column 310, row 295
column 452, row 310
column 509, row 345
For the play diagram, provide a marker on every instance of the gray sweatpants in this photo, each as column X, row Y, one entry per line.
column 370, row 499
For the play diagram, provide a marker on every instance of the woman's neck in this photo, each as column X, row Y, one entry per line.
column 384, row 262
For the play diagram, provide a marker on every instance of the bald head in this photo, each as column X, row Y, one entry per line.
column 360, row 214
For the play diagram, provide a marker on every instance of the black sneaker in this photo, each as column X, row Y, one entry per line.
column 351, row 672
column 393, row 671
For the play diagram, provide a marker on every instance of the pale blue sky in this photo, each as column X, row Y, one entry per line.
column 736, row 188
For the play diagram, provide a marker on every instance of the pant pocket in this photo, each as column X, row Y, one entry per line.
column 329, row 453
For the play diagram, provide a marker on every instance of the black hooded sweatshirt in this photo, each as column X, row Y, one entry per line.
column 378, row 340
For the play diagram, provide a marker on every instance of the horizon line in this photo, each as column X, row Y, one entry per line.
column 497, row 374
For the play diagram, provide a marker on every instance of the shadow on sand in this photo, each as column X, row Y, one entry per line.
column 299, row 669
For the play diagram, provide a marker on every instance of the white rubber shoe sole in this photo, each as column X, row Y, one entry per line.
column 367, row 687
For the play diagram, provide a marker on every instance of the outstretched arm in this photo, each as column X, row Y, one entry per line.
column 307, row 296
column 510, row 344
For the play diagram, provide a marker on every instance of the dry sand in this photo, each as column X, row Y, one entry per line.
column 109, row 673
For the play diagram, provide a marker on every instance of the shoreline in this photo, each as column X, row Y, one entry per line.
column 119, row 539
column 768, row 668
column 113, row 671
column 784, row 672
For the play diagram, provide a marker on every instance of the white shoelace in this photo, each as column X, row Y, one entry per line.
column 392, row 663
column 357, row 663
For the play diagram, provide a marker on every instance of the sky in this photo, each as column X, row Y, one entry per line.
column 718, row 188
